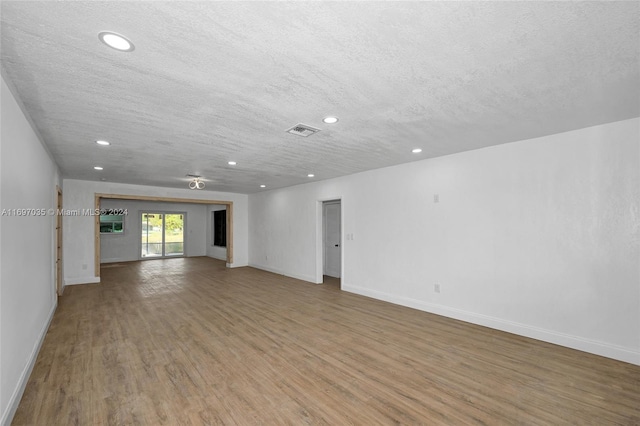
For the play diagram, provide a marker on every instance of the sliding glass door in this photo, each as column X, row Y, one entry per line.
column 162, row 234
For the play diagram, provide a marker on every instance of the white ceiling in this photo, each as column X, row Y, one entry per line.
column 210, row 82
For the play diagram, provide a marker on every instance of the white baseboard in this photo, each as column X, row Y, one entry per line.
column 266, row 268
column 14, row 401
column 227, row 264
column 570, row 341
column 217, row 257
column 302, row 277
column 81, row 280
column 308, row 278
column 116, row 260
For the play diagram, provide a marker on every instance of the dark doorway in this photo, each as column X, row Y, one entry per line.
column 220, row 228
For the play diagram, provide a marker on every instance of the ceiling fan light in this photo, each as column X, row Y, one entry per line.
column 196, row 183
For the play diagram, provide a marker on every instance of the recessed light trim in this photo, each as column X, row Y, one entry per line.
column 263, row 186
column 311, row 175
column 232, row 163
column 116, row 41
column 103, row 143
column 98, row 168
column 416, row 150
column 330, row 120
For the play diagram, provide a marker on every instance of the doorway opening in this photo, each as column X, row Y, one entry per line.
column 331, row 240
column 162, row 234
column 219, row 221
column 100, row 196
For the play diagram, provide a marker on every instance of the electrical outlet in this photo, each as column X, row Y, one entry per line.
column 436, row 288
column 436, row 198
column 84, row 266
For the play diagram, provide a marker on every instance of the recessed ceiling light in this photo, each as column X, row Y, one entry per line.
column 104, row 143
column 116, row 41
column 330, row 120
column 263, row 186
column 310, row 175
column 232, row 163
column 98, row 168
column 416, row 150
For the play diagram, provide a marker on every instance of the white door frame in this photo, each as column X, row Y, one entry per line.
column 320, row 238
column 328, row 246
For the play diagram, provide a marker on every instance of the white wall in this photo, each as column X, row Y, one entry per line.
column 27, row 254
column 126, row 246
column 79, row 230
column 538, row 237
column 214, row 251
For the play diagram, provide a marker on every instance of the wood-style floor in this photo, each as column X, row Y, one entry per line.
column 186, row 341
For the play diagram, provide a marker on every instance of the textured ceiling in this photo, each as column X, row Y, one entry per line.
column 210, row 82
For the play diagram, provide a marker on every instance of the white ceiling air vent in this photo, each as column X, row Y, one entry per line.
column 302, row 130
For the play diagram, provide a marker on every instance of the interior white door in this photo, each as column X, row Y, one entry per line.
column 332, row 249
